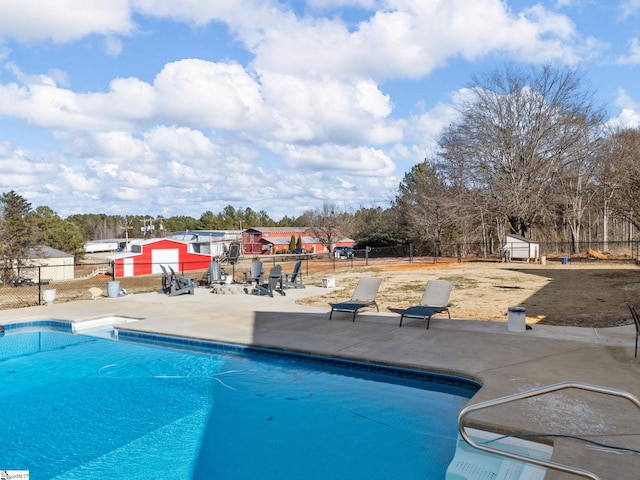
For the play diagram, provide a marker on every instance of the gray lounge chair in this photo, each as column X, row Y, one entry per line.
column 636, row 320
column 363, row 296
column 273, row 284
column 435, row 299
column 293, row 279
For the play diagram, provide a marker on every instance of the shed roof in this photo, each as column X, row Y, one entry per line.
column 520, row 238
column 279, row 229
column 47, row 252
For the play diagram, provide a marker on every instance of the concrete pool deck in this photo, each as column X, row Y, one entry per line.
column 504, row 362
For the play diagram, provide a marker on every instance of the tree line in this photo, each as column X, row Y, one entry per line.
column 529, row 153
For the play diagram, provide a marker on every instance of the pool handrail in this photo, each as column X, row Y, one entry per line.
column 533, row 393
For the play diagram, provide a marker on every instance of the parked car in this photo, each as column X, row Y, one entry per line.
column 299, row 251
column 343, row 252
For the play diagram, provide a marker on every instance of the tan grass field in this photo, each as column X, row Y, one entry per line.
column 588, row 294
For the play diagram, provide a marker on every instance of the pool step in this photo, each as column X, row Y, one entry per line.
column 167, row 452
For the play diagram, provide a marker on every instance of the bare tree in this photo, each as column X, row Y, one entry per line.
column 328, row 224
column 620, row 175
column 576, row 188
column 514, row 136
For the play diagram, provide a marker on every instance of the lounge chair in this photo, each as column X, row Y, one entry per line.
column 273, row 284
column 255, row 275
column 363, row 296
column 293, row 279
column 435, row 299
column 173, row 284
column 636, row 320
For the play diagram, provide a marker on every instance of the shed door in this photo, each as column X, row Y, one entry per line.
column 165, row 256
column 127, row 267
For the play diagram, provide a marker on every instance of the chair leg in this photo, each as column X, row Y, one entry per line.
column 401, row 318
column 331, row 313
column 428, row 321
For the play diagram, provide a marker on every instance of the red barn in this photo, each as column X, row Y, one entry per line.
column 146, row 257
column 258, row 240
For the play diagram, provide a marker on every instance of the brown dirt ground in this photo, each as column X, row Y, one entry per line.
column 582, row 293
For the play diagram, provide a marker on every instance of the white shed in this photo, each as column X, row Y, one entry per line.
column 54, row 264
column 521, row 248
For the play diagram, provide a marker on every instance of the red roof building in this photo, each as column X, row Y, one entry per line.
column 265, row 240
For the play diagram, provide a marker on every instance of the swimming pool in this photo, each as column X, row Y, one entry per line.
column 78, row 407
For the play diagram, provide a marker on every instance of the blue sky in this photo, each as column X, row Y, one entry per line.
column 165, row 107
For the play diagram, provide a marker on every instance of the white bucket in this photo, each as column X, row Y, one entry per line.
column 49, row 295
column 113, row 289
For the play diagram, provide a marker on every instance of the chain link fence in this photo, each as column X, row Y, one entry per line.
column 26, row 286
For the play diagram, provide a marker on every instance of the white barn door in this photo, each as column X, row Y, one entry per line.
column 169, row 257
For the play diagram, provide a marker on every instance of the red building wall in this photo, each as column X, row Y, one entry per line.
column 156, row 252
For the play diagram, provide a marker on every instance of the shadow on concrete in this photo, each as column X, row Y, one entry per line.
column 582, row 297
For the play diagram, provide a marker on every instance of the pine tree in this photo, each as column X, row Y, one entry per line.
column 17, row 231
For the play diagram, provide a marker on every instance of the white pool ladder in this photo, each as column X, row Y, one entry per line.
column 534, row 393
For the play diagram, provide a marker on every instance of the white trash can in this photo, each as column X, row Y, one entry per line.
column 517, row 319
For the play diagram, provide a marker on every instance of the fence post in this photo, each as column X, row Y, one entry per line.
column 39, row 285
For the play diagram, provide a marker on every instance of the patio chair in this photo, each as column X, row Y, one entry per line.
column 255, row 274
column 636, row 320
column 293, row 279
column 435, row 299
column 363, row 296
column 173, row 284
column 273, row 284
column 215, row 275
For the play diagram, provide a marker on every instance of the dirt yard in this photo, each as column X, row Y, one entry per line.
column 588, row 294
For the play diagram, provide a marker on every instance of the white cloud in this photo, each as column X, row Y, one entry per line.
column 113, row 46
column 201, row 93
column 63, row 20
column 180, row 142
column 629, row 8
column 624, row 100
column 411, row 39
column 326, row 109
column 78, row 181
column 361, row 161
column 633, row 58
column 40, row 102
column 629, row 116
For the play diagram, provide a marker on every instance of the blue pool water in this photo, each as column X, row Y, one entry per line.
column 80, row 407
